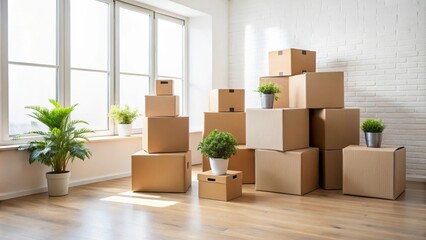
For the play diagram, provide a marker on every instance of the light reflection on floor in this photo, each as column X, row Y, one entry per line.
column 140, row 199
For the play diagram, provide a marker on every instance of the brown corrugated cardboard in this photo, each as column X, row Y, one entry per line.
column 234, row 122
column 242, row 161
column 165, row 134
column 317, row 90
column 163, row 87
column 227, row 100
column 279, row 129
column 291, row 62
column 374, row 172
column 165, row 172
column 224, row 187
column 282, row 83
column 161, row 106
column 292, row 172
column 332, row 129
column 330, row 169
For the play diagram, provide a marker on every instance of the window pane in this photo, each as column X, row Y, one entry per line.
column 90, row 91
column 28, row 86
column 89, row 34
column 132, row 92
column 134, row 42
column 32, row 31
column 170, row 48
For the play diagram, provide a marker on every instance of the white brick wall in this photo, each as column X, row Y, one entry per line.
column 380, row 45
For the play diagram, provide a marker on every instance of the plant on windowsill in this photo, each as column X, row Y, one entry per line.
column 218, row 147
column 373, row 129
column 124, row 117
column 60, row 144
column 268, row 91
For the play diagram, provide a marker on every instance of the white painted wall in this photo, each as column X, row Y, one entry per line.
column 381, row 46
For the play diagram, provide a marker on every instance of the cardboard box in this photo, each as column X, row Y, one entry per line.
column 166, row 172
column 224, row 187
column 292, row 172
column 374, row 172
column 163, row 87
column 291, row 62
column 332, row 129
column 317, row 90
column 161, row 106
column 280, row 129
column 165, row 134
column 282, row 83
column 235, row 123
column 330, row 165
column 242, row 161
column 227, row 100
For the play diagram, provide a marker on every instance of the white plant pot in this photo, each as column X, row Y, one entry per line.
column 267, row 101
column 57, row 183
column 219, row 166
column 124, row 130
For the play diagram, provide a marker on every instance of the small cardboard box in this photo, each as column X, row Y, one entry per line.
column 224, row 187
column 317, row 90
column 280, row 129
column 165, row 134
column 374, row 172
column 332, row 129
column 165, row 172
column 163, row 87
column 242, row 161
column 331, row 169
column 282, row 83
column 161, row 106
column 227, row 100
column 291, row 62
column 292, row 172
column 234, row 122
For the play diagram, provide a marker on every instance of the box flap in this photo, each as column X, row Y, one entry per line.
column 381, row 149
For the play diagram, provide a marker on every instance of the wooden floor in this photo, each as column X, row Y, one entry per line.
column 108, row 210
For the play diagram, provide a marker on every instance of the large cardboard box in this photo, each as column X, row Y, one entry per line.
column 280, row 129
column 374, row 172
column 242, row 161
column 334, row 128
column 165, row 172
column 161, row 106
column 317, row 90
column 163, row 87
column 234, row 122
column 330, row 169
column 227, row 100
column 282, row 83
column 292, row 172
column 165, row 134
column 224, row 187
column 291, row 62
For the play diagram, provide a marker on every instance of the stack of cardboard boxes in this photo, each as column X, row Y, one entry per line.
column 164, row 163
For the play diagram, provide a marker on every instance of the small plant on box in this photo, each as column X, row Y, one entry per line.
column 268, row 91
column 373, row 129
column 124, row 117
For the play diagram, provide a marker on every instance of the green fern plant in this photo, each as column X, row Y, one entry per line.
column 62, row 142
column 123, row 115
column 373, row 125
column 269, row 88
column 218, row 145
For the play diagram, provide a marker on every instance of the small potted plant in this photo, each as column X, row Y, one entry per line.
column 124, row 117
column 218, row 147
column 373, row 129
column 268, row 91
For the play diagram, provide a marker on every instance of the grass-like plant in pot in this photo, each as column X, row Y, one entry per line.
column 218, row 147
column 124, row 117
column 373, row 129
column 268, row 91
column 60, row 144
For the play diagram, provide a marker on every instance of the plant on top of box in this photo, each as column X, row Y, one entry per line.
column 268, row 91
column 373, row 129
column 218, row 147
column 124, row 117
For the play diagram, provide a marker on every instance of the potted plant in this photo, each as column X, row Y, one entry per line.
column 61, row 143
column 218, row 147
column 268, row 91
column 373, row 129
column 124, row 117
